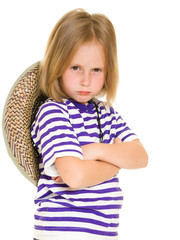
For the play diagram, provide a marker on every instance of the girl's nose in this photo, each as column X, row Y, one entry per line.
column 85, row 80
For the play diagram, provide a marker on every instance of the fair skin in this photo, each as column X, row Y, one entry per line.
column 83, row 80
column 85, row 76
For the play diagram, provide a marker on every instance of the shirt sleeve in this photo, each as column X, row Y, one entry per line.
column 54, row 136
column 123, row 131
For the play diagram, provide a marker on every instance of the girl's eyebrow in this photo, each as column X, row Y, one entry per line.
column 101, row 67
column 75, row 64
column 93, row 67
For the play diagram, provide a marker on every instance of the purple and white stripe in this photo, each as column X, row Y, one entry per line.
column 60, row 129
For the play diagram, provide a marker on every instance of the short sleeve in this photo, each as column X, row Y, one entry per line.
column 54, row 136
column 123, row 131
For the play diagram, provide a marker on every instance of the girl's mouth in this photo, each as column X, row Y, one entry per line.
column 83, row 92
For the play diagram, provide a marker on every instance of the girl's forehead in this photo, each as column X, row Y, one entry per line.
column 90, row 51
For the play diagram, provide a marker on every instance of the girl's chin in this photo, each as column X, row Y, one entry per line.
column 83, row 99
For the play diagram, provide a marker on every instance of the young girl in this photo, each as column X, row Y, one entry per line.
column 83, row 142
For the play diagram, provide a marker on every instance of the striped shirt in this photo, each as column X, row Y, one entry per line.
column 60, row 129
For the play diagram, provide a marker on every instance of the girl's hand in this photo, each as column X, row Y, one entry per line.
column 117, row 140
column 57, row 179
column 90, row 151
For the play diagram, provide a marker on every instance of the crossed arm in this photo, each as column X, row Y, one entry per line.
column 102, row 162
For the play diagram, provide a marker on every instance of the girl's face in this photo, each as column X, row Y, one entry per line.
column 85, row 76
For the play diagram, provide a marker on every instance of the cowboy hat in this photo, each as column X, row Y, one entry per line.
column 17, row 118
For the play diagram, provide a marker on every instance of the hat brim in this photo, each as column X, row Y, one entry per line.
column 17, row 120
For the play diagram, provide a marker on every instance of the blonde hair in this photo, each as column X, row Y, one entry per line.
column 71, row 31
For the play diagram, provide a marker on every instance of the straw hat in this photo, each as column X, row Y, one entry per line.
column 17, row 121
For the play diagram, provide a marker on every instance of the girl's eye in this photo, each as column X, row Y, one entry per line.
column 96, row 70
column 75, row 68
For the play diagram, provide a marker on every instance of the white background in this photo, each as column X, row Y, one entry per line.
column 148, row 37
